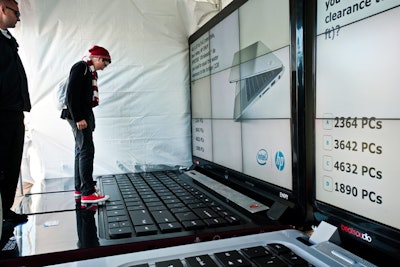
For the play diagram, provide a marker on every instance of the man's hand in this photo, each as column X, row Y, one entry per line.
column 81, row 124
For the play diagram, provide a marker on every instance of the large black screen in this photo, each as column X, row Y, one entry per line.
column 357, row 118
column 242, row 95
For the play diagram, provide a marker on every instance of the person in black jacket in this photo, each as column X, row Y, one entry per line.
column 81, row 98
column 14, row 100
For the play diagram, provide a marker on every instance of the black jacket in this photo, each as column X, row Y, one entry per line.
column 14, row 95
column 79, row 93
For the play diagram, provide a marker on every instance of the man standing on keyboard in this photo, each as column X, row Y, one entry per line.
column 82, row 97
column 14, row 101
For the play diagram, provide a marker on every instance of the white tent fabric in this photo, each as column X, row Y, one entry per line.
column 143, row 120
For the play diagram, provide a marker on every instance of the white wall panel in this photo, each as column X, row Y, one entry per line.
column 143, row 120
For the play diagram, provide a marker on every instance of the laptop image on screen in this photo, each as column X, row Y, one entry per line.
column 255, row 69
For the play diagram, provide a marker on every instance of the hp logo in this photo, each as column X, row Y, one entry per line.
column 279, row 160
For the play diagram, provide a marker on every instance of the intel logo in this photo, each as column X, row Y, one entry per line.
column 279, row 160
column 262, row 156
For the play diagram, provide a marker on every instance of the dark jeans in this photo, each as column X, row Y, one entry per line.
column 84, row 156
column 86, row 227
column 12, row 134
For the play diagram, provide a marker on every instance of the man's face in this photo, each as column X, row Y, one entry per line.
column 11, row 13
column 100, row 63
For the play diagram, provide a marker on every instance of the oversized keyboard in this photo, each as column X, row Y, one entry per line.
column 157, row 203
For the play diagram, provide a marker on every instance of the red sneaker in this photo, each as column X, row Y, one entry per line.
column 94, row 198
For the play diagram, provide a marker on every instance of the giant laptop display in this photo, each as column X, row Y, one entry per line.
column 243, row 136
